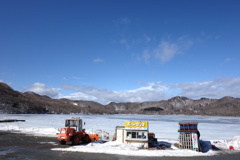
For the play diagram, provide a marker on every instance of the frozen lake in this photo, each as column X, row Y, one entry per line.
column 164, row 126
column 225, row 130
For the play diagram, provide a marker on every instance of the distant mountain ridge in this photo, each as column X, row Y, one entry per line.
column 14, row 102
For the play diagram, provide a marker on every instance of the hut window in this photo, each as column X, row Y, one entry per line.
column 136, row 135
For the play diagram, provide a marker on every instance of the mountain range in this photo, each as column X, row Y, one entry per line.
column 15, row 102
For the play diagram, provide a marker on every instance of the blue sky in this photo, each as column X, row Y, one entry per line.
column 121, row 50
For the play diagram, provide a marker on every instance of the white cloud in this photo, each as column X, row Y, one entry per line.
column 125, row 43
column 153, row 91
column 166, row 50
column 123, row 21
column 8, row 83
column 227, row 60
column 146, row 56
column 211, row 89
column 147, row 38
column 42, row 89
column 79, row 96
column 77, row 78
column 156, row 91
column 98, row 60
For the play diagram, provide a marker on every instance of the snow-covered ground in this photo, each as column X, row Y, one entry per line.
column 221, row 132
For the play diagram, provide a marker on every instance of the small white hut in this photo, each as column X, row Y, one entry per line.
column 133, row 132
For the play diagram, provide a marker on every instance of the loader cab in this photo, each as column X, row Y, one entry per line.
column 74, row 122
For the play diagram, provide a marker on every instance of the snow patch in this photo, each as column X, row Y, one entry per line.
column 75, row 104
column 227, row 144
column 114, row 147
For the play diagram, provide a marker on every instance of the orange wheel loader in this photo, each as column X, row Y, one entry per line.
column 74, row 133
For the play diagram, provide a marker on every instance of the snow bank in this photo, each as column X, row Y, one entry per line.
column 235, row 142
column 228, row 144
column 114, row 147
column 48, row 132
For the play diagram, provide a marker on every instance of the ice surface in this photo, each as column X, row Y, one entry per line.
column 222, row 132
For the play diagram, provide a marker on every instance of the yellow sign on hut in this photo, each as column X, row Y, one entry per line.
column 143, row 125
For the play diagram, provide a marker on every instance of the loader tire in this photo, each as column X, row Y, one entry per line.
column 87, row 138
column 75, row 140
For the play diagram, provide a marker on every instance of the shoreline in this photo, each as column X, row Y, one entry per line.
column 119, row 114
